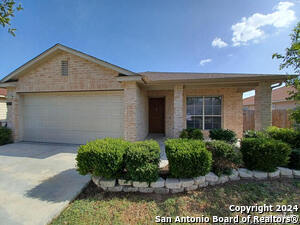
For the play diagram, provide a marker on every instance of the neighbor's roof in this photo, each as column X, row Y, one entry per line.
column 278, row 95
column 58, row 47
column 174, row 76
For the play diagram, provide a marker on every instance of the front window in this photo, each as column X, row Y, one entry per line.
column 203, row 112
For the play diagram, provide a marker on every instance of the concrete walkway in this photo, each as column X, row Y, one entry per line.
column 37, row 181
column 160, row 138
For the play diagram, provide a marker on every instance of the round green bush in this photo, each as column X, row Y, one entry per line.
column 223, row 135
column 225, row 157
column 191, row 133
column 142, row 161
column 264, row 154
column 287, row 135
column 196, row 134
column 102, row 157
column 294, row 162
column 188, row 158
column 184, row 134
column 5, row 136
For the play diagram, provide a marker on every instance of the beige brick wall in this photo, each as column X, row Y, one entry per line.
column 142, row 113
column 130, row 99
column 88, row 76
column 232, row 117
column 13, row 113
column 46, row 76
column 83, row 75
column 179, row 107
column 169, row 109
column 263, row 105
column 232, row 113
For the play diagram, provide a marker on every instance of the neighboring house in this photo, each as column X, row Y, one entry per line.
column 279, row 99
column 3, row 107
column 64, row 95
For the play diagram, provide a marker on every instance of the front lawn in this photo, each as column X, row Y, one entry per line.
column 97, row 207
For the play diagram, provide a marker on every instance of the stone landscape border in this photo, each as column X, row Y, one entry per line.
column 172, row 185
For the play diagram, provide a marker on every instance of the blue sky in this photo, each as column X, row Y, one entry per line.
column 237, row 36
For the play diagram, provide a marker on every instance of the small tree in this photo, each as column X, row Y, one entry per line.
column 7, row 11
column 292, row 59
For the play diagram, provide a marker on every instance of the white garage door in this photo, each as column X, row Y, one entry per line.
column 72, row 117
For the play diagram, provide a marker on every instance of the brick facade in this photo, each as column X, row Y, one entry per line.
column 263, row 105
column 178, row 110
column 232, row 114
column 89, row 76
column 83, row 75
column 135, row 112
column 46, row 77
column 13, row 113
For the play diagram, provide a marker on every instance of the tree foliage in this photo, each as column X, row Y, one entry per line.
column 291, row 59
column 7, row 11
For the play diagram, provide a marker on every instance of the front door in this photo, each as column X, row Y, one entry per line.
column 156, row 115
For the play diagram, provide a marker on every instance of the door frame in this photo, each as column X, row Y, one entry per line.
column 164, row 113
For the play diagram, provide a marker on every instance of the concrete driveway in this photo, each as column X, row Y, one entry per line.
column 37, row 181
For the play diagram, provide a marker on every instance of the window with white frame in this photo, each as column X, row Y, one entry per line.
column 204, row 112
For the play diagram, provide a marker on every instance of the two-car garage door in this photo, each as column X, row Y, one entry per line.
column 72, row 117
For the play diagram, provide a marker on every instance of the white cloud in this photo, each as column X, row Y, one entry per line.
column 249, row 29
column 204, row 61
column 218, row 42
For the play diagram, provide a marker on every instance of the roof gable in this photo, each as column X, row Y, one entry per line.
column 58, row 47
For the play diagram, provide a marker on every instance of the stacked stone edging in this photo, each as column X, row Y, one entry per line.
column 174, row 185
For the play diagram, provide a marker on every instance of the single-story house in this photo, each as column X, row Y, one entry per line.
column 3, row 107
column 67, row 96
column 279, row 99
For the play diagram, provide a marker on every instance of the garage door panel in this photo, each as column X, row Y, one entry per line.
column 72, row 118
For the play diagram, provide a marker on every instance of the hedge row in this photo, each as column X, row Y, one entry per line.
column 189, row 156
column 215, row 134
column 285, row 135
column 112, row 157
column 264, row 154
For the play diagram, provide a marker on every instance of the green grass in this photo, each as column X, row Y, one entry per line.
column 96, row 207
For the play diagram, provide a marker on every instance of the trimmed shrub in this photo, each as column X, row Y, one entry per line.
column 255, row 134
column 264, row 154
column 102, row 157
column 225, row 157
column 142, row 161
column 192, row 133
column 184, row 134
column 294, row 162
column 290, row 136
column 223, row 135
column 5, row 136
column 188, row 158
column 196, row 134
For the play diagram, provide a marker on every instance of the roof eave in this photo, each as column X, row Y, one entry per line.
column 8, row 84
column 277, row 78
